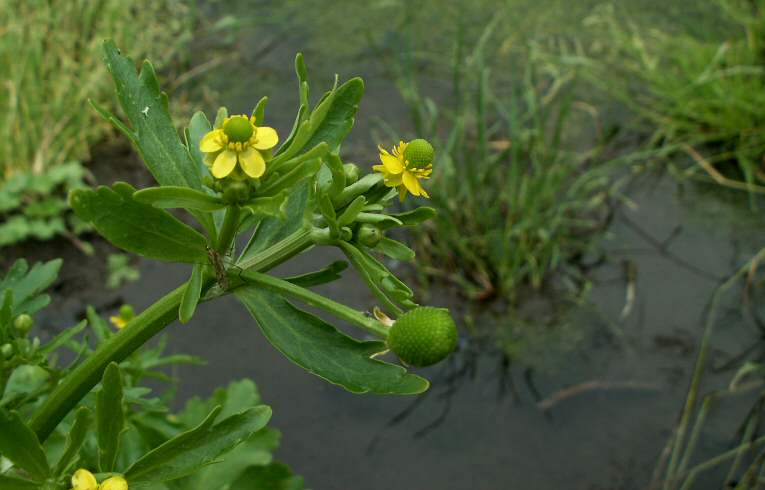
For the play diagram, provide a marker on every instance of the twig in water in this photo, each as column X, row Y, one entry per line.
column 576, row 390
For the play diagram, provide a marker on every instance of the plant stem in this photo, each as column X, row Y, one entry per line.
column 339, row 310
column 228, row 229
column 83, row 378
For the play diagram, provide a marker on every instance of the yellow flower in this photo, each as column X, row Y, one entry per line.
column 114, row 483
column 84, row 480
column 400, row 172
column 238, row 141
column 126, row 314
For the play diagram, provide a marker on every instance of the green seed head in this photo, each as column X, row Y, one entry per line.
column 236, row 192
column 369, row 235
column 23, row 323
column 238, row 129
column 423, row 336
column 127, row 312
column 351, row 171
column 419, row 153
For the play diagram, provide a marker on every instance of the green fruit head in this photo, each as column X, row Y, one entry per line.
column 236, row 192
column 238, row 129
column 6, row 351
column 127, row 312
column 423, row 336
column 419, row 153
column 23, row 323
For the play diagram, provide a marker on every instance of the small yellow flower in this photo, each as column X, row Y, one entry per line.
column 403, row 173
column 126, row 314
column 84, row 480
column 114, row 483
column 238, row 141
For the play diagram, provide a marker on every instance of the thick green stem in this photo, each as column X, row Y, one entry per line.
column 80, row 381
column 228, row 229
column 339, row 310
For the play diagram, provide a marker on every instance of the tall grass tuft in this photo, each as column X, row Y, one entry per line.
column 702, row 95
column 50, row 64
column 519, row 196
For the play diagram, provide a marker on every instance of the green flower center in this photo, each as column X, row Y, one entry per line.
column 419, row 153
column 423, row 336
column 238, row 129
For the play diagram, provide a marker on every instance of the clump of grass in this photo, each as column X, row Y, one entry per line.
column 700, row 95
column 50, row 65
column 518, row 198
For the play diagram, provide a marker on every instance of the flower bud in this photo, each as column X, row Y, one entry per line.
column 114, row 483
column 369, row 235
column 23, row 323
column 351, row 171
column 6, row 351
column 84, row 480
column 423, row 336
column 419, row 153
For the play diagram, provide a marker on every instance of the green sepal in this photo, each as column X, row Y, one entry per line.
column 394, row 249
column 169, row 197
column 198, row 447
column 356, row 189
column 137, row 227
column 384, row 221
column 110, row 417
column 321, row 349
column 413, row 217
column 19, row 444
column 323, row 276
column 191, row 294
column 274, row 206
column 260, row 111
column 352, row 211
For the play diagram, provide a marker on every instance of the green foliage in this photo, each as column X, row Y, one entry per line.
column 51, row 65
column 518, row 198
column 696, row 94
column 120, row 271
column 32, row 205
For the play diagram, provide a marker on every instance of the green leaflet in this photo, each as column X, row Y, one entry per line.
column 275, row 476
column 152, row 128
column 28, row 284
column 321, row 349
column 20, row 445
column 74, row 439
column 168, row 197
column 11, row 483
column 198, row 447
column 110, row 417
column 137, row 227
column 191, row 294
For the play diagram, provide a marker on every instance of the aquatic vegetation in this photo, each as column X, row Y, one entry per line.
column 229, row 179
column 695, row 95
column 50, row 64
column 518, row 199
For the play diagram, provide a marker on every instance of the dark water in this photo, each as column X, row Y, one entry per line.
column 480, row 425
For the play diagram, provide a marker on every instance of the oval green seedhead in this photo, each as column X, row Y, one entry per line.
column 423, row 336
column 369, row 235
column 419, row 153
column 23, row 323
column 238, row 129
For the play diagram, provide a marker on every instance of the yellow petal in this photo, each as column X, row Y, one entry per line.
column 392, row 164
column 211, row 142
column 84, row 480
column 411, row 183
column 224, row 164
column 114, row 483
column 393, row 180
column 252, row 163
column 266, row 138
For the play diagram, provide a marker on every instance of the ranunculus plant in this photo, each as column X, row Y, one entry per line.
column 235, row 177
